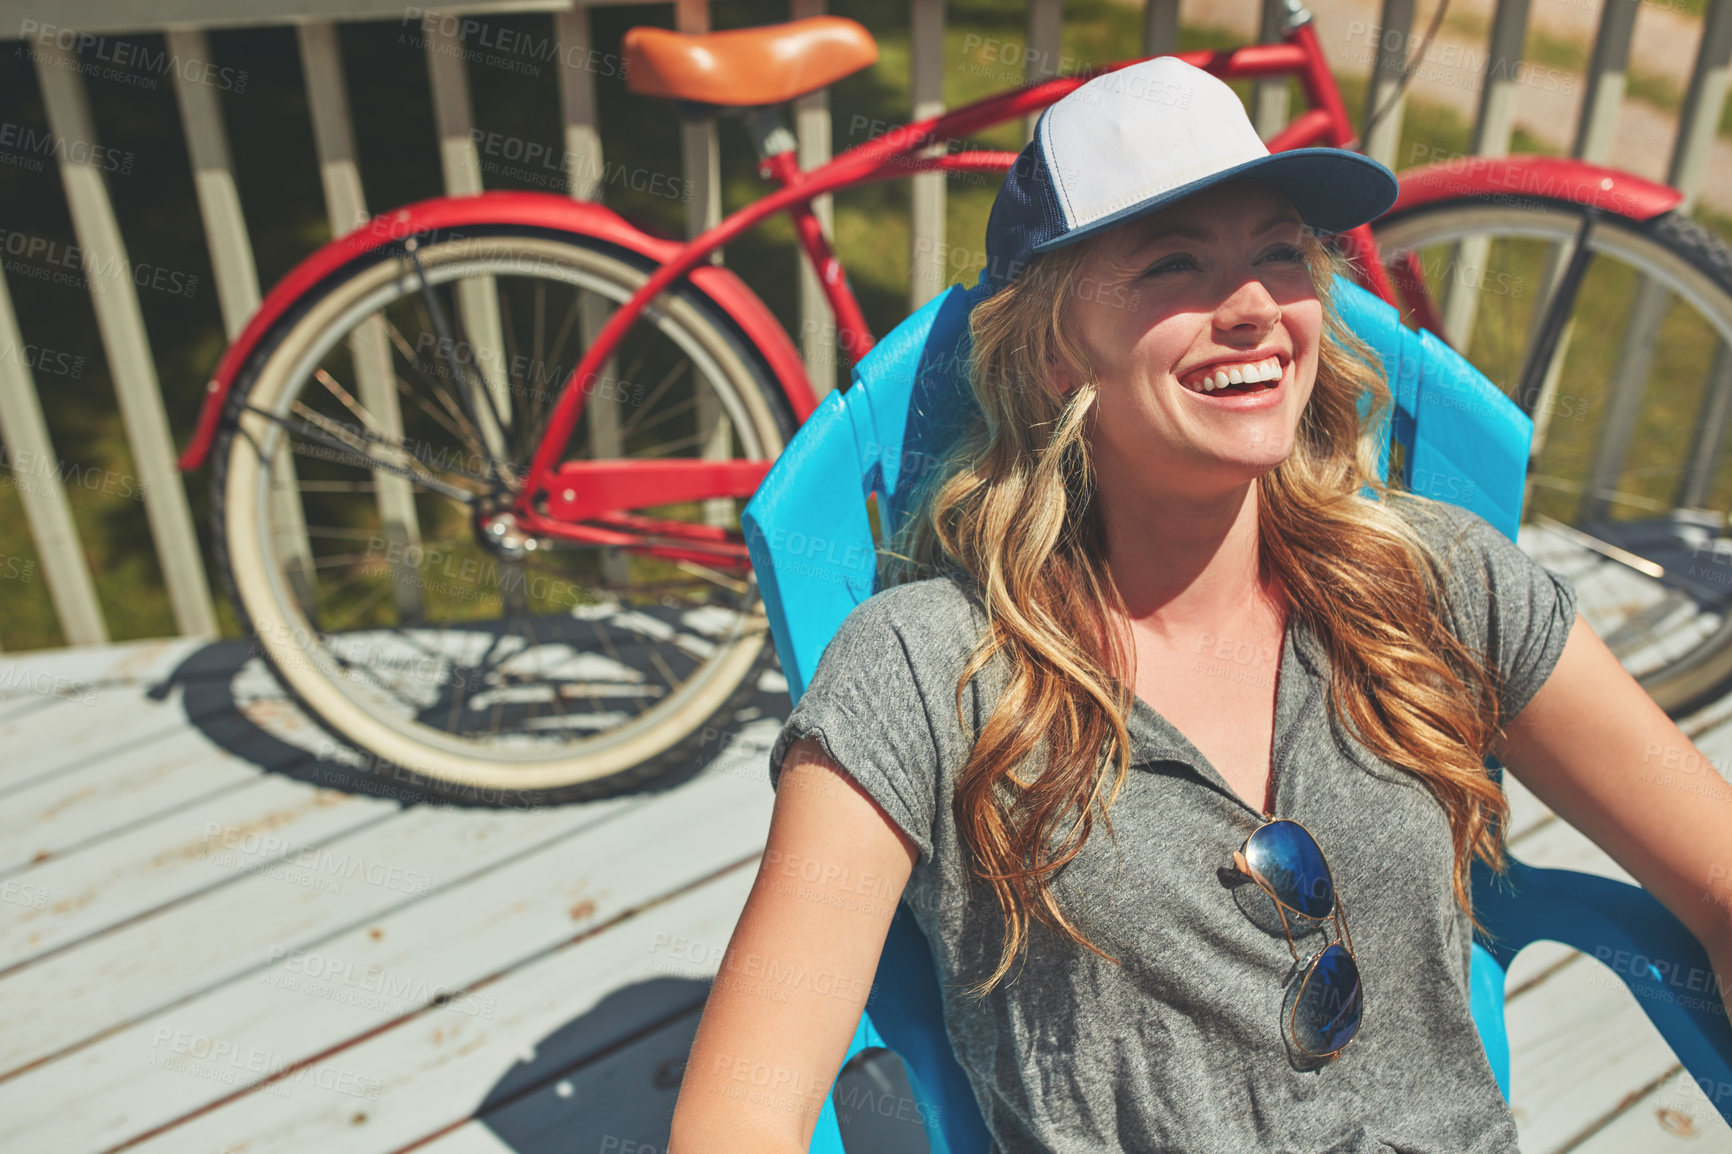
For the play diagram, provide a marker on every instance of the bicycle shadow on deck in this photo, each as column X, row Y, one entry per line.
column 231, row 697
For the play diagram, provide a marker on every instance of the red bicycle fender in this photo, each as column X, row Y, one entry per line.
column 1613, row 190
column 537, row 209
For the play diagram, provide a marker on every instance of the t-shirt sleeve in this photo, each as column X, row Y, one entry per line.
column 865, row 704
column 1501, row 601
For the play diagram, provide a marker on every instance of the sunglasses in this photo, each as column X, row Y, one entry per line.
column 1322, row 1013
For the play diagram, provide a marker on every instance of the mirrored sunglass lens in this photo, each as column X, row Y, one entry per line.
column 1288, row 861
column 1326, row 1015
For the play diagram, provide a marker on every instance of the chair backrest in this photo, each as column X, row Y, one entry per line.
column 809, row 532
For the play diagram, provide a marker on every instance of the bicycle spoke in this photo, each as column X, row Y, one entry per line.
column 349, row 453
column 452, row 337
column 668, row 413
column 372, row 599
column 654, row 396
column 469, row 434
column 424, row 475
column 348, row 401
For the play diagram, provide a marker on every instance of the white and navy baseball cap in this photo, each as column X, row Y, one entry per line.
column 1134, row 140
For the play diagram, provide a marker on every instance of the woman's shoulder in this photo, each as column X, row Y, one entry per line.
column 1469, row 549
column 933, row 608
column 921, row 632
column 1439, row 523
column 1501, row 601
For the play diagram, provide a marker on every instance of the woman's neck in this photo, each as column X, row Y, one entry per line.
column 1182, row 566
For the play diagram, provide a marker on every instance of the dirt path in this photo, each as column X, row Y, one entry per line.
column 1549, row 103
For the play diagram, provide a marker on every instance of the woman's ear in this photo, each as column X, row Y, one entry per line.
column 1060, row 377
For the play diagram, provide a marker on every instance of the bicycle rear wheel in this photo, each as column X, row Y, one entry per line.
column 1629, row 485
column 365, row 470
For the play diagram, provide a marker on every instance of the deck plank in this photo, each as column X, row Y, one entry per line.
column 1674, row 1117
column 121, row 977
column 61, row 737
column 477, row 1138
column 45, row 745
column 568, row 1017
column 1581, row 1050
column 133, row 783
column 623, row 1104
column 131, row 663
column 180, row 854
column 307, row 1003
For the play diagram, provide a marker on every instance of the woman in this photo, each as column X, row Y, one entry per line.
column 1145, row 656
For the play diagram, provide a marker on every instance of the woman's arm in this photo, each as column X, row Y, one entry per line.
column 798, row 968
column 1593, row 746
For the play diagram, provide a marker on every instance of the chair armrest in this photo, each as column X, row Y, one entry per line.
column 1627, row 929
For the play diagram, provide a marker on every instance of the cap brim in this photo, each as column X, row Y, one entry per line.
column 1333, row 189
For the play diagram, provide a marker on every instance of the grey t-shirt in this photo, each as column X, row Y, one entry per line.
column 1180, row 1048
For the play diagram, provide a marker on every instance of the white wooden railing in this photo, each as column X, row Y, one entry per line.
column 54, row 34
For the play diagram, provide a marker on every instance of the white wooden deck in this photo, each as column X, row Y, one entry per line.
column 211, row 940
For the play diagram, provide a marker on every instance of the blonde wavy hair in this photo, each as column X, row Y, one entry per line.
column 1010, row 512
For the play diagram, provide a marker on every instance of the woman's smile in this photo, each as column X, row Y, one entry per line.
column 1252, row 383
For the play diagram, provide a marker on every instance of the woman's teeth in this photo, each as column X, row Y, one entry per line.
column 1254, row 373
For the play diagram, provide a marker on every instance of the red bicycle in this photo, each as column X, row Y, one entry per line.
column 479, row 464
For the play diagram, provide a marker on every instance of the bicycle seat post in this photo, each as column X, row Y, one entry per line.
column 1297, row 16
column 769, row 130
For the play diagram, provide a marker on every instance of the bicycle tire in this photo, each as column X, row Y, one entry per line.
column 1679, row 658
column 324, row 319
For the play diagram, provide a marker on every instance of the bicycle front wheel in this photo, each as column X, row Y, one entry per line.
column 366, row 470
column 1628, row 485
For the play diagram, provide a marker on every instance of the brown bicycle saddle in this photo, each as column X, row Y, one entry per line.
column 747, row 66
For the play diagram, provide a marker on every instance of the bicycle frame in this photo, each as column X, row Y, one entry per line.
column 588, row 490
column 586, row 502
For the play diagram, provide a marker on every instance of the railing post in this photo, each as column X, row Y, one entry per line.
column 369, row 346
column 1607, row 70
column 237, row 278
column 1384, row 139
column 30, row 454
column 1595, row 130
column 1497, row 97
column 698, row 145
column 703, row 171
column 1269, row 97
column 584, row 167
column 1040, row 61
column 1699, row 123
column 928, row 250
column 1160, row 27
column 460, row 161
column 582, row 128
column 125, row 343
column 1491, row 134
column 812, row 130
column 219, row 203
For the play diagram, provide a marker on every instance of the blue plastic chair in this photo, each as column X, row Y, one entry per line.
column 810, row 538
